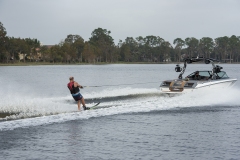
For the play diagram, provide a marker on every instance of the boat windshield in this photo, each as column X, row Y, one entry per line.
column 221, row 75
column 204, row 75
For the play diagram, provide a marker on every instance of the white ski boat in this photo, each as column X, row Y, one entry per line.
column 212, row 79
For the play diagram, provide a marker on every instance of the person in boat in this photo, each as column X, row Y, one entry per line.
column 75, row 91
column 196, row 76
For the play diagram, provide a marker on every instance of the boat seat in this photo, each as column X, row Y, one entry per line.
column 177, row 86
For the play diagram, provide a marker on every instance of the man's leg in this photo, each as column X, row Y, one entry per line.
column 79, row 105
column 84, row 105
column 83, row 101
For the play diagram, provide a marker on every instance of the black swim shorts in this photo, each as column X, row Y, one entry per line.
column 77, row 96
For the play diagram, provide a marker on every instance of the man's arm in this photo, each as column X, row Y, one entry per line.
column 77, row 85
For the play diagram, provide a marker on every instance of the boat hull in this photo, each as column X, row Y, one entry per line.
column 196, row 85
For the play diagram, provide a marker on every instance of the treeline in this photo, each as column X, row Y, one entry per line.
column 101, row 48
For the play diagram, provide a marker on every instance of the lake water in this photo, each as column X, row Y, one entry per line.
column 39, row 118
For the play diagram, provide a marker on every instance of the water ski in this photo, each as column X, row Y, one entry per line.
column 94, row 106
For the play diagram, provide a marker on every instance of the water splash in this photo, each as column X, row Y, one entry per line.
column 39, row 111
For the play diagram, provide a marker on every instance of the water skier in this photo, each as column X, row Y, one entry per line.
column 75, row 91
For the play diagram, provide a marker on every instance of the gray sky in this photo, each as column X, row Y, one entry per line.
column 50, row 21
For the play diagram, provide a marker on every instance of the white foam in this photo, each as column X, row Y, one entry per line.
column 64, row 111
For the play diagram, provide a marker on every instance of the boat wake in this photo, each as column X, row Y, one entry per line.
column 26, row 112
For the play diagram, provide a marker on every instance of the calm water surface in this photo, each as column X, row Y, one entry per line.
column 140, row 123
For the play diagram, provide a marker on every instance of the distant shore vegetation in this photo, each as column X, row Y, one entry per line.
column 100, row 48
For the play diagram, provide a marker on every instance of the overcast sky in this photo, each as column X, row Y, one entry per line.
column 50, row 21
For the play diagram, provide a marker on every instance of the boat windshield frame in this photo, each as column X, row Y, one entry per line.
column 221, row 75
column 208, row 75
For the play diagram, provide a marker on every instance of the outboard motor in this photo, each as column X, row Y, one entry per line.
column 178, row 68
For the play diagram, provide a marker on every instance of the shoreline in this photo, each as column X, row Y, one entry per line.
column 99, row 63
